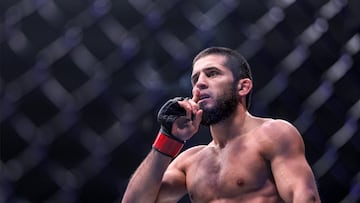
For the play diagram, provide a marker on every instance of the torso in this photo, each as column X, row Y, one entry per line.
column 238, row 172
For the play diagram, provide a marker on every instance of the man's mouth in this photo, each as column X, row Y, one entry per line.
column 203, row 96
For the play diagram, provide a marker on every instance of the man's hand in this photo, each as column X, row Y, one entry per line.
column 186, row 126
column 180, row 117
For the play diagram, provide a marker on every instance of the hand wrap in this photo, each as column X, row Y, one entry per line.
column 166, row 143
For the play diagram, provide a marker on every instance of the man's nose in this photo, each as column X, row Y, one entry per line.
column 202, row 82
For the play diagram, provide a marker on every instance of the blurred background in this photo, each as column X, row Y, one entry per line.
column 81, row 82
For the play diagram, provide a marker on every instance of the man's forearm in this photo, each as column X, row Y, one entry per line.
column 145, row 183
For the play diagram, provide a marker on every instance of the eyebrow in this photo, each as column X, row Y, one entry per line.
column 205, row 69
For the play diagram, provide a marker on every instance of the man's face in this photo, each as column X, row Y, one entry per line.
column 215, row 82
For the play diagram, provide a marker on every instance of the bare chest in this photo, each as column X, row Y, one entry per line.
column 227, row 174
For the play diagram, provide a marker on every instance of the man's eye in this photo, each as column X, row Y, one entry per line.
column 194, row 80
column 212, row 73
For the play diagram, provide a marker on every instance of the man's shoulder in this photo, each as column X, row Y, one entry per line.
column 192, row 151
column 276, row 126
column 188, row 156
column 278, row 133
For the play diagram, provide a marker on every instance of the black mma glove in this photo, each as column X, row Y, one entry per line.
column 168, row 113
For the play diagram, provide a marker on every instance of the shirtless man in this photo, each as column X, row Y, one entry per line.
column 249, row 160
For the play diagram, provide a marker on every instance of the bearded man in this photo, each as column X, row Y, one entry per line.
column 249, row 160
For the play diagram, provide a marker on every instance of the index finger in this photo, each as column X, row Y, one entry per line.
column 196, row 93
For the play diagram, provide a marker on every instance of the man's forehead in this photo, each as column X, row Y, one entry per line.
column 213, row 60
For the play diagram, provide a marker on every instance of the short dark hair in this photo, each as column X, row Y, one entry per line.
column 234, row 61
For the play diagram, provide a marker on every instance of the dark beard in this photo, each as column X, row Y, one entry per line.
column 224, row 107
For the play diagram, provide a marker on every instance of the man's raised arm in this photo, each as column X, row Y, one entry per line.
column 180, row 119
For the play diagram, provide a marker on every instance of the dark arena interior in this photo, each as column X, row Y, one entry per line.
column 82, row 81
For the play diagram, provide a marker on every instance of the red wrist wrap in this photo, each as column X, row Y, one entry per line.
column 166, row 145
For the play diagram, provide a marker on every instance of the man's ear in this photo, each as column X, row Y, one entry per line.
column 244, row 86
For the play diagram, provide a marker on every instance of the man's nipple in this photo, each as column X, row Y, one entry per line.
column 240, row 182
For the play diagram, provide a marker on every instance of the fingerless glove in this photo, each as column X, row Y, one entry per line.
column 165, row 142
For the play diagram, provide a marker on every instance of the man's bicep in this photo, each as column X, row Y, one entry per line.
column 291, row 171
column 173, row 186
column 293, row 175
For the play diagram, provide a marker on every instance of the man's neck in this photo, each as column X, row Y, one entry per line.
column 231, row 127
